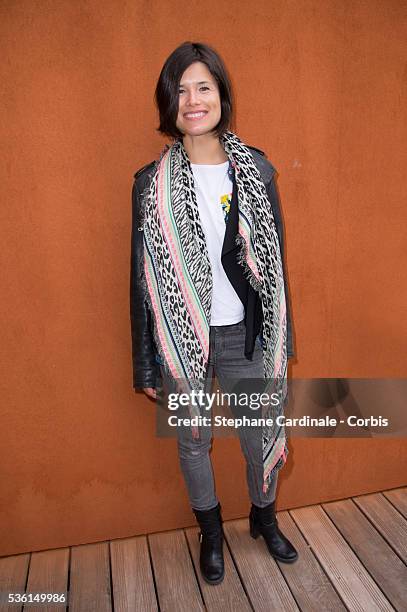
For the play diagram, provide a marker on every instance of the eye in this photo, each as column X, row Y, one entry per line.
column 204, row 87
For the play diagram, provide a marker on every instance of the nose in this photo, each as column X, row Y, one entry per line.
column 192, row 97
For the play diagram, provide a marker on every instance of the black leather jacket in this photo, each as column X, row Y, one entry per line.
column 145, row 354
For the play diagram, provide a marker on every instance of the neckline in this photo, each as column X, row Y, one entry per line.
column 210, row 165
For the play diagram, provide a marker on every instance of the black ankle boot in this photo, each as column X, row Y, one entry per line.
column 211, row 539
column 263, row 521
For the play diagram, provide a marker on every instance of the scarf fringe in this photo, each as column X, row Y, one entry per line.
column 280, row 463
column 241, row 259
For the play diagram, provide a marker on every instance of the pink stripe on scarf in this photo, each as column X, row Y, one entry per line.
column 276, row 458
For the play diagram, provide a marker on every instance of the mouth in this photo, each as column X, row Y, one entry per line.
column 195, row 116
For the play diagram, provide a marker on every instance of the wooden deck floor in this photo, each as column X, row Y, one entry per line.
column 353, row 556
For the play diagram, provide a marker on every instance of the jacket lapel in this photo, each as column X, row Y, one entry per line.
column 229, row 241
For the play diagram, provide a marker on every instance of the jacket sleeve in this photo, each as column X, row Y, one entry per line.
column 275, row 203
column 143, row 347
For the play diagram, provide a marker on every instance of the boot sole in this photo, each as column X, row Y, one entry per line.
column 214, row 582
column 284, row 559
column 255, row 534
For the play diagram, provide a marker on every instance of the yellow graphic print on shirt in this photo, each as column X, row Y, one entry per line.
column 225, row 201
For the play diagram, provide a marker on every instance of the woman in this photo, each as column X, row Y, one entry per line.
column 208, row 289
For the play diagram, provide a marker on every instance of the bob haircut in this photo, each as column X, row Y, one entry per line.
column 167, row 89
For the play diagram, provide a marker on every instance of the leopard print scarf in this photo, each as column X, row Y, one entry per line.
column 178, row 279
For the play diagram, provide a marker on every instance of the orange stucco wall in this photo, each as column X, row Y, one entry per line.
column 321, row 87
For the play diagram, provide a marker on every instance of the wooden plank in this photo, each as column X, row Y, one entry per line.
column 48, row 573
column 308, row 583
column 132, row 576
column 13, row 578
column 398, row 497
column 263, row 580
column 227, row 596
column 386, row 519
column 374, row 552
column 89, row 587
column 176, row 583
column 351, row 580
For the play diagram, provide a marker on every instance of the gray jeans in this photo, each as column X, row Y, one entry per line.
column 229, row 364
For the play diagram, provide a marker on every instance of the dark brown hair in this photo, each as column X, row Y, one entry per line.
column 167, row 89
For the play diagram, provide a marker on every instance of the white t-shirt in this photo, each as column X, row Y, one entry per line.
column 213, row 188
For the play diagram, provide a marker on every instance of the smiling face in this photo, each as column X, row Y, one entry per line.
column 199, row 109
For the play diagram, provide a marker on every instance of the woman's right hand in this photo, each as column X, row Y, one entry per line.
column 150, row 392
